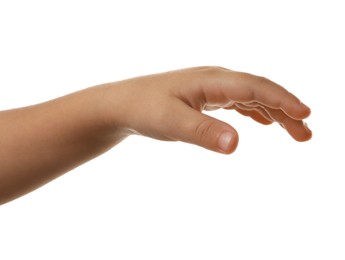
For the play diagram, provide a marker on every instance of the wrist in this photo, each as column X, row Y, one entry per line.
column 111, row 106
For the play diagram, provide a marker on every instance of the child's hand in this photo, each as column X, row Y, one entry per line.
column 168, row 106
column 43, row 141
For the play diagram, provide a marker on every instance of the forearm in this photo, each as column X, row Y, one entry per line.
column 41, row 142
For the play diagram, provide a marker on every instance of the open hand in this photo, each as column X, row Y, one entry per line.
column 168, row 106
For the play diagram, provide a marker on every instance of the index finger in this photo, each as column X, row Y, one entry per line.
column 245, row 87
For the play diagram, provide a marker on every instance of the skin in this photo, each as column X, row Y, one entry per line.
column 43, row 141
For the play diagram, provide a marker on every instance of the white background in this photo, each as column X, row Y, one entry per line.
column 273, row 198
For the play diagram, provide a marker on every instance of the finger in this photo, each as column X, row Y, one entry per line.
column 194, row 127
column 258, row 108
column 256, row 112
column 254, row 115
column 296, row 128
column 273, row 95
column 245, row 87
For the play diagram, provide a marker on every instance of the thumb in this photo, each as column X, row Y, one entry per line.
column 194, row 127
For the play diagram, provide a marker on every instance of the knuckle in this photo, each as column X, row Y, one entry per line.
column 262, row 80
column 214, row 69
column 204, row 129
column 210, row 70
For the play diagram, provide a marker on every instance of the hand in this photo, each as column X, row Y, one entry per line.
column 70, row 130
column 168, row 106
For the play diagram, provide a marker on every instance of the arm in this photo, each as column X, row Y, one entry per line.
column 42, row 142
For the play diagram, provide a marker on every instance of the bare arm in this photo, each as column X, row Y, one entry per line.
column 41, row 142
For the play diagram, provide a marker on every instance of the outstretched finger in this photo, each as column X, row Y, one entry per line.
column 257, row 108
column 255, row 115
column 245, row 87
column 296, row 128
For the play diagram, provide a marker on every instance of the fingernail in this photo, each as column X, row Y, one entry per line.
column 224, row 141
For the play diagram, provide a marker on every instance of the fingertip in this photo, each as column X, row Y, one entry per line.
column 294, row 107
column 298, row 112
column 305, row 134
column 304, row 105
column 309, row 136
column 306, row 137
column 305, row 110
column 308, row 133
